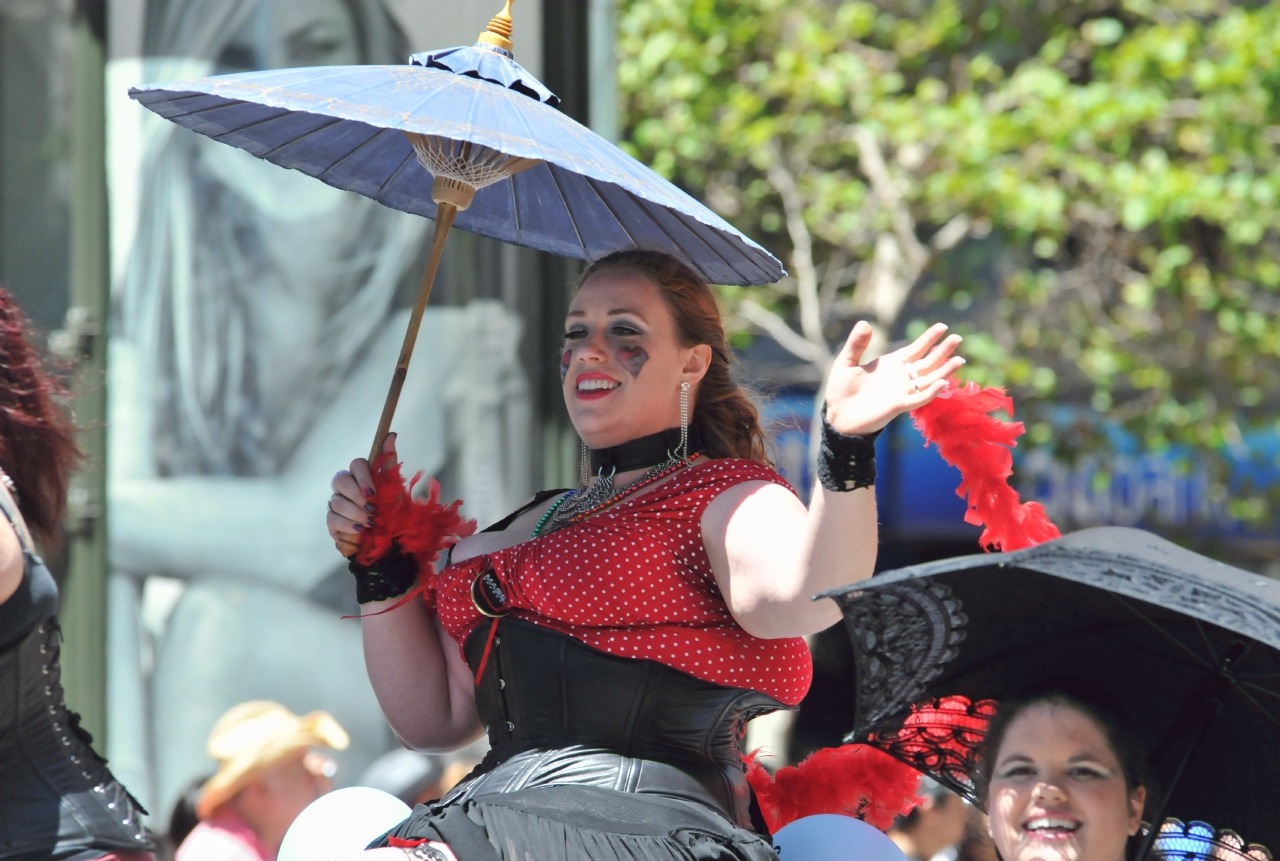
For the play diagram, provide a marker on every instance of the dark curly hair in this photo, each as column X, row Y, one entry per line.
column 727, row 420
column 37, row 444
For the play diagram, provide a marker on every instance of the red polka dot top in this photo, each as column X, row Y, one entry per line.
column 634, row 580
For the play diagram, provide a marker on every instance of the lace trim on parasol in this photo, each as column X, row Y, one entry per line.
column 1192, row 595
column 941, row 738
column 904, row 635
column 1199, row 841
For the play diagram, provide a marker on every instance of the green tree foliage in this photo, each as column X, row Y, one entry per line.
column 1119, row 158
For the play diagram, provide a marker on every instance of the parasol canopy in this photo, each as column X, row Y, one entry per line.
column 350, row 127
column 1189, row 647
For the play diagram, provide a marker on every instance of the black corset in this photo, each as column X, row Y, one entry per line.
column 560, row 712
column 57, row 798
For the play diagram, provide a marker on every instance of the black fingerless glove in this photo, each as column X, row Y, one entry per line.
column 846, row 462
column 390, row 577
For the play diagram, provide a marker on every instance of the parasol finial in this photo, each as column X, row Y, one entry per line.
column 498, row 33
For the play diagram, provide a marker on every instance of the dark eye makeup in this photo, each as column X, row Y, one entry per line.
column 1026, row 769
column 625, row 330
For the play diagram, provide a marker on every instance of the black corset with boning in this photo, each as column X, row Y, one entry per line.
column 559, row 712
column 58, row 800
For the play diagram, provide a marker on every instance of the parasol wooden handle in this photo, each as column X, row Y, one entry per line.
column 444, row 220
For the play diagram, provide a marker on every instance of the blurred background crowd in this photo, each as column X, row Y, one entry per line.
column 1088, row 190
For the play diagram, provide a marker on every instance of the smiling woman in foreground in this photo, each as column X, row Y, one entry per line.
column 614, row 640
column 1064, row 779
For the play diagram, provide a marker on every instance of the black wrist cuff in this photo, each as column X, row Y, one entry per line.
column 846, row 462
column 390, row 577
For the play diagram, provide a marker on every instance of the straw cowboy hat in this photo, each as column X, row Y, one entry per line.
column 254, row 735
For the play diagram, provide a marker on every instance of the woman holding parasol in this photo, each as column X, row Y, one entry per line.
column 614, row 640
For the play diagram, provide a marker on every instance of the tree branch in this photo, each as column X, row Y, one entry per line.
column 775, row 327
column 904, row 226
column 806, row 273
column 834, row 277
column 951, row 233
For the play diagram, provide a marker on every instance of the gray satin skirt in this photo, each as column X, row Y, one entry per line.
column 630, row 811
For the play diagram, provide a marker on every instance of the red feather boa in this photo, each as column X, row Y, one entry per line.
column 959, row 423
column 421, row 527
column 854, row 779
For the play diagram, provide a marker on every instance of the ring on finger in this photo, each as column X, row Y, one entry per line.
column 914, row 377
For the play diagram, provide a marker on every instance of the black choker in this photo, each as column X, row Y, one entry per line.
column 642, row 453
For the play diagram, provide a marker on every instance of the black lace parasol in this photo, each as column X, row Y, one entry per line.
column 1189, row 646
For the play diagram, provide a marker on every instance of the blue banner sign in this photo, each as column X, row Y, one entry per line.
column 1122, row 486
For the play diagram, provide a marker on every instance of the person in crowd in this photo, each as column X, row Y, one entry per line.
column 269, row 770
column 977, row 844
column 614, row 639
column 1063, row 778
column 183, row 819
column 58, row 799
column 414, row 778
column 937, row 825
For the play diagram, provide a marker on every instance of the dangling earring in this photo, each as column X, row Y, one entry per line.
column 584, row 464
column 684, row 420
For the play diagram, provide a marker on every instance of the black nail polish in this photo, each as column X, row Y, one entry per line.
column 368, row 521
column 359, row 528
column 368, row 491
column 368, row 506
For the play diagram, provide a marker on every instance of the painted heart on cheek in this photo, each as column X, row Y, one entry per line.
column 564, row 365
column 633, row 359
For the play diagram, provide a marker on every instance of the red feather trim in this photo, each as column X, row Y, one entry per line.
column 959, row 423
column 854, row 779
column 421, row 527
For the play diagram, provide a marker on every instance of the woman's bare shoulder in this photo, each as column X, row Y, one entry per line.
column 13, row 538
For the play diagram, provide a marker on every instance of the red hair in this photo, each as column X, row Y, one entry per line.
column 37, row 444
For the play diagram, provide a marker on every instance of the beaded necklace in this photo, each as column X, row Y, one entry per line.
column 578, row 505
column 656, row 473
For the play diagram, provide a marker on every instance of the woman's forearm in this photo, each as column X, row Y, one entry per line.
column 842, row 540
column 421, row 681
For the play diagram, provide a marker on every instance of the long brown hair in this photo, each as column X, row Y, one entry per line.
column 724, row 416
column 37, row 447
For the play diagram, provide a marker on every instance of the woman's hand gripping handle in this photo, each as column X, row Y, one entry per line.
column 351, row 509
column 417, row 672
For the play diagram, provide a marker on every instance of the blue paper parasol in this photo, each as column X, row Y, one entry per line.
column 465, row 134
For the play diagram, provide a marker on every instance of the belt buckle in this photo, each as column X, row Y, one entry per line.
column 488, row 595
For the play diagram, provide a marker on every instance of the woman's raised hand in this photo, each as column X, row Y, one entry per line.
column 351, row 507
column 864, row 398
